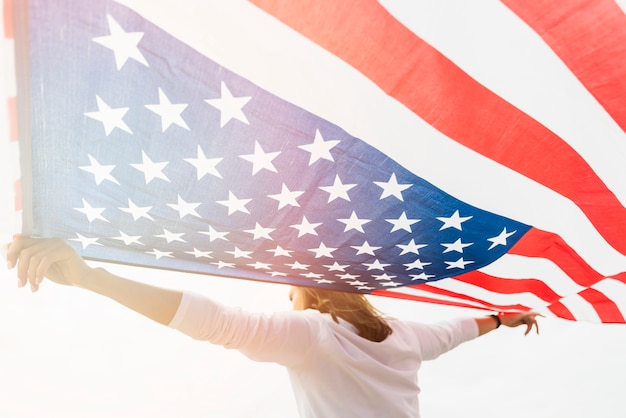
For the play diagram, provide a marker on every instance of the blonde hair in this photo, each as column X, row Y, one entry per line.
column 351, row 307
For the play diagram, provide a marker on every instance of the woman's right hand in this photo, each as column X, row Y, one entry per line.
column 51, row 258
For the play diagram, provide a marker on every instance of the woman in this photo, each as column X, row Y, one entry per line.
column 344, row 358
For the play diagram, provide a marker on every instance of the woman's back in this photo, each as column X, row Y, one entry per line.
column 334, row 372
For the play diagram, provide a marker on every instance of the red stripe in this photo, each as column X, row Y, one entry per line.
column 12, row 118
column 449, row 293
column 558, row 309
column 538, row 243
column 561, row 311
column 397, row 295
column 607, row 309
column 439, row 92
column 7, row 14
column 590, row 38
column 509, row 286
column 476, row 301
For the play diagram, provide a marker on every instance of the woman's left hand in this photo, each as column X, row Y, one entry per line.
column 523, row 318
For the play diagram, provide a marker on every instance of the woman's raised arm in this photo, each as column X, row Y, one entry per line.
column 54, row 259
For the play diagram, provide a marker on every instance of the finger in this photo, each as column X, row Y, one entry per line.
column 40, row 263
column 530, row 324
column 3, row 252
column 15, row 248
column 529, row 327
column 25, row 258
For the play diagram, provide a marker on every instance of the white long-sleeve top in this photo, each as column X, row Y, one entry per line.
column 333, row 371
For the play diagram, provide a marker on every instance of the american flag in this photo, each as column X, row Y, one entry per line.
column 348, row 146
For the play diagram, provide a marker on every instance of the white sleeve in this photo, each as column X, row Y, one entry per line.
column 282, row 337
column 436, row 339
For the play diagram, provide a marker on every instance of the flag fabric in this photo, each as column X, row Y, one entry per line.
column 10, row 209
column 465, row 157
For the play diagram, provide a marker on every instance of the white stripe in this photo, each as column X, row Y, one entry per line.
column 526, row 298
column 512, row 266
column 420, row 292
column 502, row 53
column 580, row 308
column 621, row 4
column 614, row 290
column 518, row 267
column 299, row 71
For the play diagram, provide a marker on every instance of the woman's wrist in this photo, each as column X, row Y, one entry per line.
column 497, row 319
column 86, row 277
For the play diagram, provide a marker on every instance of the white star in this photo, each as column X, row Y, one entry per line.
column 347, row 276
column 137, row 212
column 169, row 113
column 91, row 212
column 205, row 165
column 456, row 246
column 417, row 264
column 213, row 234
column 366, row 248
column 123, row 44
column 220, row 264
column 338, row 189
column 311, row 275
column 260, row 232
column 160, row 254
column 171, row 236
column 319, row 148
column 234, row 204
column 297, row 266
column 199, row 254
column 100, row 172
column 184, row 208
column 390, row 283
column 453, row 221
column 421, row 276
column 337, row 267
column 383, row 276
column 151, row 170
column 230, row 107
column 323, row 281
column 322, row 251
column 110, row 118
column 458, row 264
column 260, row 266
column 128, row 239
column 280, row 251
column 411, row 247
column 260, row 159
column 357, row 283
column 402, row 223
column 500, row 239
column 354, row 223
column 237, row 253
column 364, row 288
column 376, row 265
column 85, row 242
column 392, row 188
column 305, row 227
column 277, row 273
column 286, row 197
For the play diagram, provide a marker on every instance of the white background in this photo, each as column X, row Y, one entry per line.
column 67, row 353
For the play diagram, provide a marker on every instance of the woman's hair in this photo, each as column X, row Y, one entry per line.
column 351, row 307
